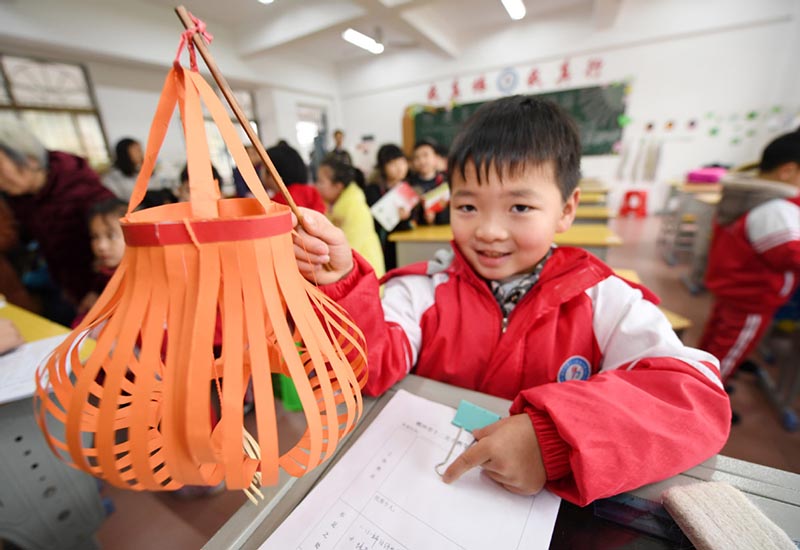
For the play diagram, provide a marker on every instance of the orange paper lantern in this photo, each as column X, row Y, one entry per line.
column 137, row 411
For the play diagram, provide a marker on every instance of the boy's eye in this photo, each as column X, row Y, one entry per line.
column 521, row 208
column 465, row 208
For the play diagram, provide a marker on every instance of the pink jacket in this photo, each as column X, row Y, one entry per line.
column 615, row 398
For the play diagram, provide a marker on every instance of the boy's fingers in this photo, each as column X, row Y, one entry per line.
column 480, row 433
column 474, row 456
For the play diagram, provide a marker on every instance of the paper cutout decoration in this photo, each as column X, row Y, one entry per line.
column 623, row 120
column 137, row 412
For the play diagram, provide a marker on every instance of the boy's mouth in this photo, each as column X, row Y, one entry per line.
column 492, row 254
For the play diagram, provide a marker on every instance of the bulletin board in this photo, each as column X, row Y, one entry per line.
column 596, row 111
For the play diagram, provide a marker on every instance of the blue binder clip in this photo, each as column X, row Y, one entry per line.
column 469, row 416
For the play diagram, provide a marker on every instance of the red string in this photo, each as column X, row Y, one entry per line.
column 186, row 40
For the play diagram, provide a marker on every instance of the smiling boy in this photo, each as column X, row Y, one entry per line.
column 605, row 397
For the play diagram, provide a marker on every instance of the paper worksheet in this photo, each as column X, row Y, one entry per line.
column 384, row 494
column 18, row 368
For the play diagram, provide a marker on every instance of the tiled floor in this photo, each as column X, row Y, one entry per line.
column 145, row 520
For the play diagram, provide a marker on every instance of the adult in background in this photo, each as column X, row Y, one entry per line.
column 50, row 194
column 121, row 179
column 339, row 154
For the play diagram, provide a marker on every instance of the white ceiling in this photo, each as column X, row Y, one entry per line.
column 313, row 27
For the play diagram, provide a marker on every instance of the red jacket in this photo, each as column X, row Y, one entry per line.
column 755, row 261
column 615, row 398
column 304, row 195
column 56, row 218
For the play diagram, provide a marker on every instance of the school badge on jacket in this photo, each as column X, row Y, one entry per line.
column 574, row 368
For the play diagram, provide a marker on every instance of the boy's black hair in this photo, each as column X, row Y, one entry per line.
column 214, row 173
column 426, row 142
column 342, row 173
column 112, row 207
column 518, row 131
column 288, row 163
column 123, row 157
column 783, row 149
column 441, row 150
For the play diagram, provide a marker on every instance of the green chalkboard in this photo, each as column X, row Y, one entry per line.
column 596, row 111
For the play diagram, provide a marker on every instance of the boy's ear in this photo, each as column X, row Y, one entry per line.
column 568, row 211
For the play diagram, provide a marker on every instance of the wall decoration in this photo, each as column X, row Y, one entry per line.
column 713, row 132
column 507, row 80
column 564, row 76
column 692, row 124
column 455, row 93
column 479, row 84
column 432, row 93
column 594, row 68
column 669, row 125
column 649, row 127
column 623, row 120
column 534, row 78
column 752, row 115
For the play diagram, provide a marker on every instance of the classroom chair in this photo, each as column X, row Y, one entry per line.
column 45, row 503
column 634, row 202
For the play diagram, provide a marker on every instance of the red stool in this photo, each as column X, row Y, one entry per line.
column 634, row 202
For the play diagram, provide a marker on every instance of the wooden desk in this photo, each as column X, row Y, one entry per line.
column 678, row 322
column 593, row 214
column 775, row 492
column 593, row 198
column 421, row 244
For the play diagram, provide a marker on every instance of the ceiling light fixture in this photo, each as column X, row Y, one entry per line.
column 515, row 8
column 363, row 41
column 266, row 1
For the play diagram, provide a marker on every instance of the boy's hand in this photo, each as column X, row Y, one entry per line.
column 321, row 249
column 508, row 452
column 430, row 217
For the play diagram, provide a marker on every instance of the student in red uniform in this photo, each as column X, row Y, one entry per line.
column 294, row 173
column 754, row 262
column 606, row 398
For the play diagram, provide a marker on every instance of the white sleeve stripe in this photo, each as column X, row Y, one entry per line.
column 772, row 218
column 776, row 239
column 405, row 300
column 629, row 328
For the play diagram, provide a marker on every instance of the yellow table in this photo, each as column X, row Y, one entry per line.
column 593, row 214
column 593, row 186
column 31, row 326
column 678, row 322
column 421, row 244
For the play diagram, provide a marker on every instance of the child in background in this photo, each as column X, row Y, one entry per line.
column 183, row 188
column 349, row 211
column 294, row 173
column 754, row 261
column 424, row 178
column 121, row 179
column 606, row 398
column 391, row 170
column 108, row 247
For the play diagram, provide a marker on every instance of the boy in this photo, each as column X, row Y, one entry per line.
column 606, row 398
column 754, row 262
column 424, row 178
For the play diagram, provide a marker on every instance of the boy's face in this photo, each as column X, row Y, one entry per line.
column 108, row 244
column 505, row 226
column 425, row 161
column 329, row 190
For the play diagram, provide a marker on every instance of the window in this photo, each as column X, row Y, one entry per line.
column 220, row 157
column 56, row 101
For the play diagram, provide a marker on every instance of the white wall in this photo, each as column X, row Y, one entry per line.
column 684, row 60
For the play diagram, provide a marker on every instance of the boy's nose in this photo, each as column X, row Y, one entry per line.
column 491, row 230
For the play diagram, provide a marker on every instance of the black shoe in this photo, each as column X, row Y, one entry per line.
column 735, row 418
